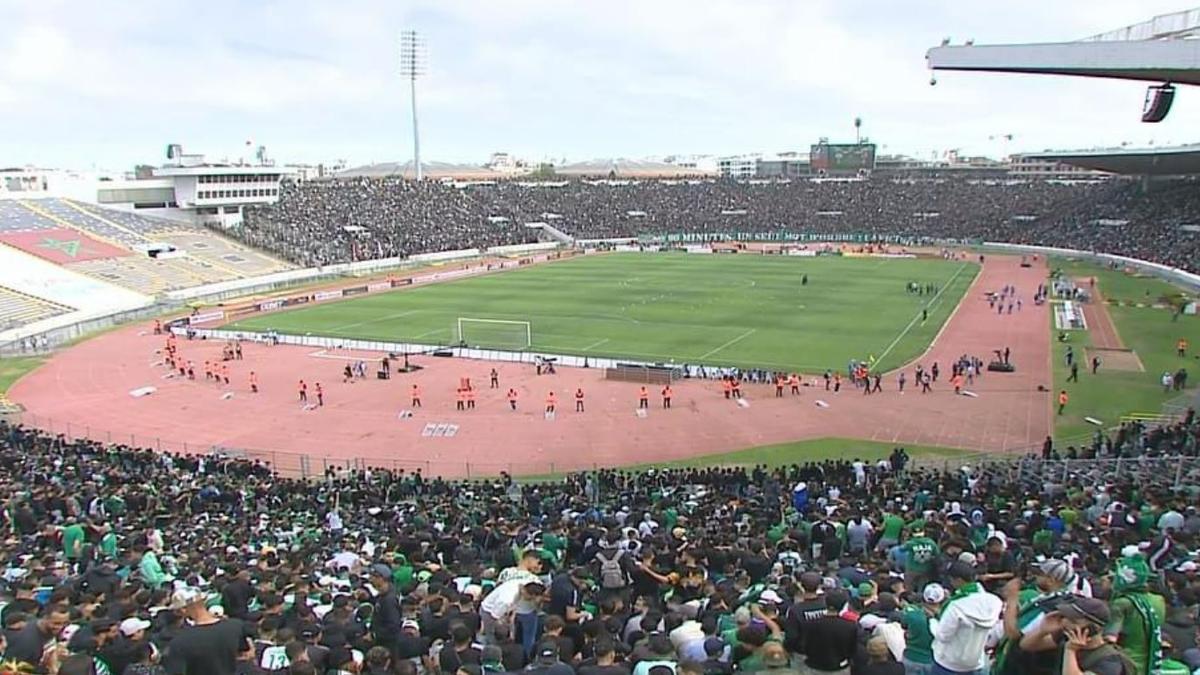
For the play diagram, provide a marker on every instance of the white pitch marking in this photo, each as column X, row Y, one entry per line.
column 377, row 319
column 917, row 317
column 595, row 344
column 732, row 342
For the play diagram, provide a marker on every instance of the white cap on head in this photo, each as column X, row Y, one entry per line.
column 130, row 627
column 934, row 593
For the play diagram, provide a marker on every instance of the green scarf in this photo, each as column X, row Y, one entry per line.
column 1129, row 582
column 962, row 592
column 1152, row 626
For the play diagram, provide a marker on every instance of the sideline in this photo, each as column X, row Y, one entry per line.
column 917, row 316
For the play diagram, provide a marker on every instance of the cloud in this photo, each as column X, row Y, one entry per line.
column 101, row 83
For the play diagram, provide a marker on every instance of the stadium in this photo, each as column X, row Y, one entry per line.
column 834, row 412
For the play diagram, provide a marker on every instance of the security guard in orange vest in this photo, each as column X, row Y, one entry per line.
column 1062, row 400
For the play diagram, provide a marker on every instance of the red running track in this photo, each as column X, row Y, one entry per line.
column 88, row 388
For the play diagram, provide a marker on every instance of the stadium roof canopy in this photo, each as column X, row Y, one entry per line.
column 1172, row 161
column 626, row 168
column 430, row 170
column 1162, row 49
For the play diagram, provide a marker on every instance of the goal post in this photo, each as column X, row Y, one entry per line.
column 494, row 333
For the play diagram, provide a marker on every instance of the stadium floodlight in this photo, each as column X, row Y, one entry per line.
column 413, row 62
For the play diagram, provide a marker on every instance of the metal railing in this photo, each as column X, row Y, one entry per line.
column 307, row 466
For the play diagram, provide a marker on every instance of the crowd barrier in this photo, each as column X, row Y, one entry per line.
column 335, row 343
column 1020, row 464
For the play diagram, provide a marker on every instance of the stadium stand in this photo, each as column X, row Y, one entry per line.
column 342, row 220
column 18, row 309
column 111, row 245
column 722, row 568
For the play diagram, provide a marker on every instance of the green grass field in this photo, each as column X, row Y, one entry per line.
column 1150, row 332
column 12, row 369
column 743, row 310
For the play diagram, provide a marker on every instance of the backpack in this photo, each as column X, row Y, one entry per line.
column 612, row 575
column 1103, row 653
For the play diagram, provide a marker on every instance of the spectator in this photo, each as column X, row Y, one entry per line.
column 960, row 632
column 340, row 220
column 831, row 642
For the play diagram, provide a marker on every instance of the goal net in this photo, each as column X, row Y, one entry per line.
column 494, row 334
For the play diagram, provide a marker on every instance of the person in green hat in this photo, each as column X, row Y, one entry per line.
column 1137, row 614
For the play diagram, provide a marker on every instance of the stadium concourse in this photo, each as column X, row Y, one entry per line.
column 89, row 386
column 320, row 222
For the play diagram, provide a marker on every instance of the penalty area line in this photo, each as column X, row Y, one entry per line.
column 595, row 344
column 917, row 317
column 732, row 342
column 367, row 322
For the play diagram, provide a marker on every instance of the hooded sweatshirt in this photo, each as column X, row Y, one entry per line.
column 960, row 633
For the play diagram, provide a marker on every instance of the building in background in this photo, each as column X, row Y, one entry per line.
column 1034, row 166
column 738, row 167
column 783, row 165
column 188, row 188
column 700, row 165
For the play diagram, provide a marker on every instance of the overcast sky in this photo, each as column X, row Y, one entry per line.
column 94, row 84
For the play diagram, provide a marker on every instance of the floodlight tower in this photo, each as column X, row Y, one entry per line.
column 413, row 62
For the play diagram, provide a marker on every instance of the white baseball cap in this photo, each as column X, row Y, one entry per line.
column 770, row 597
column 934, row 593
column 130, row 627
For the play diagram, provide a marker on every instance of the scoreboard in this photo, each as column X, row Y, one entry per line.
column 842, row 158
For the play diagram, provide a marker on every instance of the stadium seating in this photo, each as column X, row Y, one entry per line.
column 217, row 550
column 18, row 309
column 208, row 257
column 352, row 219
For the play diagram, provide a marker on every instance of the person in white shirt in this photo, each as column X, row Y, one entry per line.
column 960, row 633
column 647, row 526
column 348, row 560
column 516, row 596
column 858, row 533
column 333, row 520
column 1171, row 520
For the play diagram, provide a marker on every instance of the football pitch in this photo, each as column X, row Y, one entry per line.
column 724, row 310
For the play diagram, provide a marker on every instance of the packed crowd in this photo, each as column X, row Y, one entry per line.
column 322, row 222
column 341, row 220
column 125, row 561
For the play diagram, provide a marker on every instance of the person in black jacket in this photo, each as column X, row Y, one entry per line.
column 386, row 619
column 831, row 641
column 236, row 595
